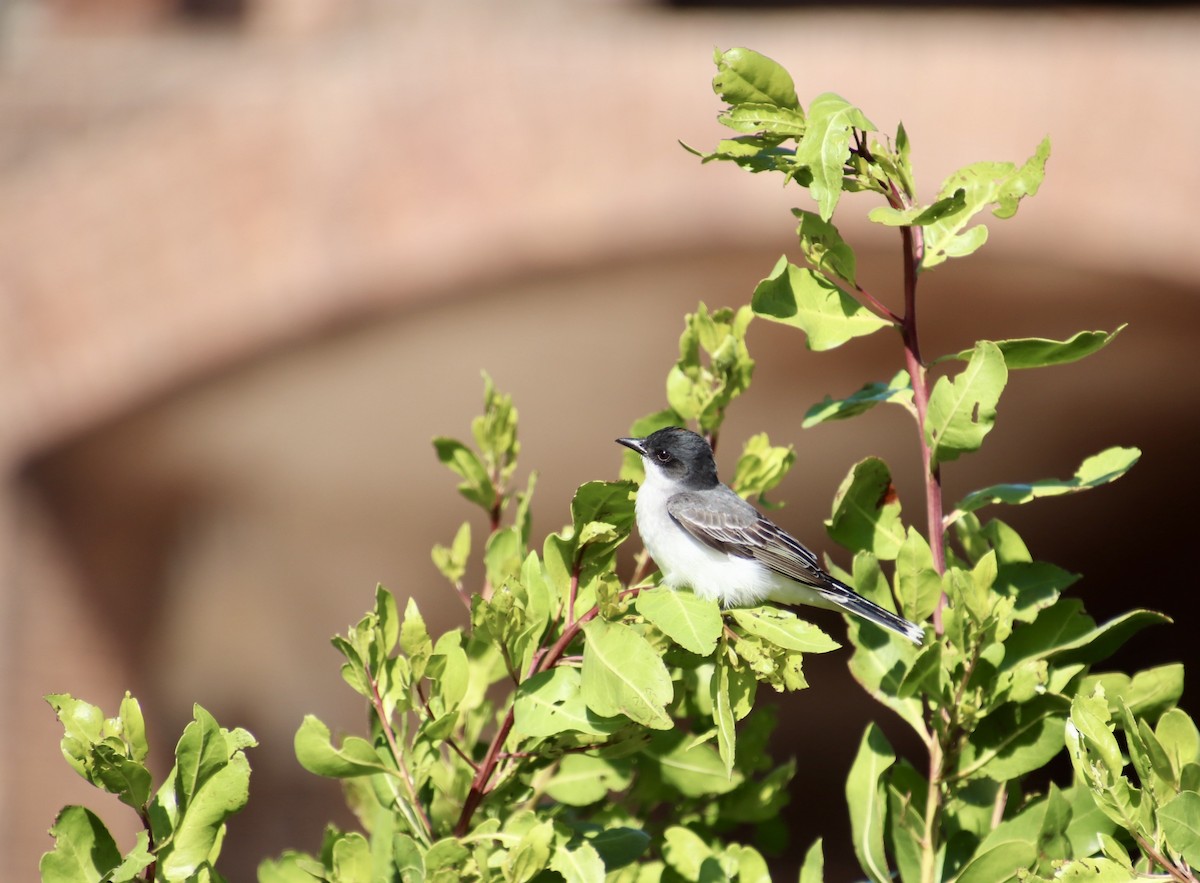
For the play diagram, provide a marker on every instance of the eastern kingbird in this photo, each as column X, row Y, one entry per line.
column 702, row 534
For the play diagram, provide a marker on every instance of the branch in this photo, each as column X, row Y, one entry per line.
column 877, row 305
column 150, row 872
column 1181, row 874
column 425, row 828
column 450, row 740
column 481, row 784
column 913, row 242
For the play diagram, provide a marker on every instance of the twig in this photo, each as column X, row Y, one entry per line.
column 481, row 784
column 450, row 740
column 640, row 564
column 1182, row 874
column 425, row 829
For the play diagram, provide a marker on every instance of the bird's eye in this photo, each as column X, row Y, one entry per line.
column 663, row 456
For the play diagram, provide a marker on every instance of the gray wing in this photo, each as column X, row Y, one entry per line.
column 730, row 524
column 726, row 522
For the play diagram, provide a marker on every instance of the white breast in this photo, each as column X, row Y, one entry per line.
column 686, row 561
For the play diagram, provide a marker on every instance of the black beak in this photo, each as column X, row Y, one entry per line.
column 634, row 444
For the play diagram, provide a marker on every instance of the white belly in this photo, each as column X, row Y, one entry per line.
column 686, row 561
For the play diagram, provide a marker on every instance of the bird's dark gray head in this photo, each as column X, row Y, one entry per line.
column 680, row 454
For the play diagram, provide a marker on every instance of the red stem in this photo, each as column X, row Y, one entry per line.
column 479, row 786
column 913, row 241
column 386, row 725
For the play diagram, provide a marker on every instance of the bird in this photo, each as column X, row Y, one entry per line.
column 701, row 534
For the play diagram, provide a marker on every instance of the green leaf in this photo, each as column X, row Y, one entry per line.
column 84, row 851
column 918, row 585
column 1179, row 738
column 906, row 792
column 451, row 561
column 1180, row 819
column 449, row 669
column 749, row 118
column 962, row 411
column 1032, row 585
column 532, row 854
column 1039, row 352
column 825, row 147
column 447, row 853
column 351, row 859
column 920, row 215
column 685, row 852
column 984, row 184
column 723, row 714
column 523, row 519
column 783, row 629
column 1088, row 822
column 866, row 511
column 813, row 869
column 579, row 865
column 133, row 728
column 622, row 674
column 927, row 674
column 757, row 153
column 999, row 864
column 751, row 866
column 1093, row 747
column 1118, row 853
column 824, row 248
column 747, row 77
column 495, row 431
column 476, row 485
column 619, row 847
column 867, row 798
column 408, row 857
column 503, row 555
column 1102, row 641
column 1066, row 635
column 551, row 702
column 82, row 729
column 881, row 658
column 694, row 770
column 317, row 754
column 1040, row 823
column 293, row 867
column 201, row 753
column 1149, row 693
column 714, row 365
column 1016, row 738
column 117, row 774
column 1094, row 870
column 691, row 622
column 898, row 390
column 606, row 502
column 804, row 299
column 761, row 467
column 414, row 639
column 199, row 831
column 1105, row 467
column 582, row 779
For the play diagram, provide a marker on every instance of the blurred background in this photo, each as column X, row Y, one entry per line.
column 255, row 253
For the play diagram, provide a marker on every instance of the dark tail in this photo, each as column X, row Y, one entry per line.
column 849, row 600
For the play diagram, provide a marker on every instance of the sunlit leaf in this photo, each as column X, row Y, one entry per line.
column 1100, row 469
column 962, row 409
column 866, row 511
column 867, row 798
column 622, row 674
column 898, row 390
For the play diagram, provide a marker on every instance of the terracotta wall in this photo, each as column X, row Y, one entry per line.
column 251, row 262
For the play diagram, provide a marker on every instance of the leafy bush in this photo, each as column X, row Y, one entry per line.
column 587, row 725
